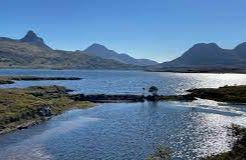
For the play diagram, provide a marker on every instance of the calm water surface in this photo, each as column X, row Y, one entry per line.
column 127, row 81
column 128, row 130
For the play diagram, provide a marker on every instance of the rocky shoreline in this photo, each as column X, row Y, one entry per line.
column 230, row 94
column 56, row 100
column 22, row 108
column 103, row 98
column 21, row 126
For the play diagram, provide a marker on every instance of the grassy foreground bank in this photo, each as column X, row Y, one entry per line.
column 231, row 94
column 238, row 150
column 20, row 108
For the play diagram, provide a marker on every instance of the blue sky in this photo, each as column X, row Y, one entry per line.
column 155, row 29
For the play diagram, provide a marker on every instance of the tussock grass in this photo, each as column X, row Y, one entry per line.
column 18, row 106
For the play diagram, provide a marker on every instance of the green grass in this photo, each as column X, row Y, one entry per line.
column 235, row 94
column 22, row 105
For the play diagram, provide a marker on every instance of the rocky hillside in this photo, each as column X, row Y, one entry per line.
column 208, row 57
column 32, row 52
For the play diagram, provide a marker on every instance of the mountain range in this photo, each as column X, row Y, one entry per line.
column 103, row 52
column 32, row 52
column 207, row 57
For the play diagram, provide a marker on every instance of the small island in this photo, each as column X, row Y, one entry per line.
column 11, row 79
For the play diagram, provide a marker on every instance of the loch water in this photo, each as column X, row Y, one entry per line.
column 127, row 131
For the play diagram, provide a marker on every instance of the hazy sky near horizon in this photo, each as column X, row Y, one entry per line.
column 156, row 29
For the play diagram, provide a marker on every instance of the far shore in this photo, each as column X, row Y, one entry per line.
column 145, row 69
column 199, row 70
column 11, row 79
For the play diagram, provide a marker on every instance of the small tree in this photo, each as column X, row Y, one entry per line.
column 153, row 90
column 143, row 91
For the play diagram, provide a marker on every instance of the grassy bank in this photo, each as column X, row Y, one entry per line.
column 235, row 94
column 20, row 108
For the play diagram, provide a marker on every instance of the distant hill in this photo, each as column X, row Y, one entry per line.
column 206, row 58
column 32, row 52
column 103, row 52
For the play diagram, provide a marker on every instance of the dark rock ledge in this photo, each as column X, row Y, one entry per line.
column 11, row 79
column 103, row 98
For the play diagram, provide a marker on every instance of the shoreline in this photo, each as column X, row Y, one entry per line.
column 12, row 79
column 230, row 94
column 21, row 108
column 42, row 103
column 232, row 71
column 24, row 125
column 209, row 72
column 122, row 98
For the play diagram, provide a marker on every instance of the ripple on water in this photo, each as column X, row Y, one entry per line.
column 128, row 130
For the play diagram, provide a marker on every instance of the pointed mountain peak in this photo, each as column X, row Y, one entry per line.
column 32, row 38
column 31, row 33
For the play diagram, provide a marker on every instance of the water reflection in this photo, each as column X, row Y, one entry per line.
column 126, row 131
